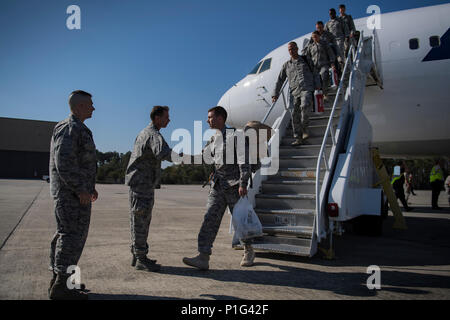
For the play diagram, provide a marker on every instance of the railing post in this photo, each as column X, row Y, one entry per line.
column 326, row 163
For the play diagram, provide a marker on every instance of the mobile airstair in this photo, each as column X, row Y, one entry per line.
column 292, row 204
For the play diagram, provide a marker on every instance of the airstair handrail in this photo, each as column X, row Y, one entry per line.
column 322, row 155
column 273, row 103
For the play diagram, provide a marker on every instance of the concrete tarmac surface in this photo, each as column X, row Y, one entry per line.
column 414, row 264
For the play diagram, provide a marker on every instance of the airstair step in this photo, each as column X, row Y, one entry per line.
column 306, row 173
column 302, row 150
column 298, row 231
column 299, row 161
column 297, row 196
column 287, row 245
column 323, row 120
column 284, row 211
column 289, row 186
column 326, row 114
column 287, row 141
column 314, row 131
column 277, row 181
column 286, row 201
column 286, row 217
column 317, row 130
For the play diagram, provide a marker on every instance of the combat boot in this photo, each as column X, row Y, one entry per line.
column 144, row 263
column 201, row 261
column 297, row 142
column 134, row 260
column 53, row 279
column 59, row 290
column 249, row 256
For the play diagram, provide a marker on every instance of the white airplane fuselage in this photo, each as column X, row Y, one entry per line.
column 410, row 116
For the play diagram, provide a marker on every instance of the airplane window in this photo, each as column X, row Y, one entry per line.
column 435, row 41
column 255, row 69
column 266, row 65
column 414, row 44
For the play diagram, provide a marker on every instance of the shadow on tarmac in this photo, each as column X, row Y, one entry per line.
column 104, row 296
column 101, row 296
column 343, row 283
column 425, row 243
column 427, row 209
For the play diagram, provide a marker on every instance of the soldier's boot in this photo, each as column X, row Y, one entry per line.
column 53, row 279
column 249, row 256
column 134, row 260
column 297, row 142
column 201, row 261
column 144, row 263
column 59, row 290
column 305, row 135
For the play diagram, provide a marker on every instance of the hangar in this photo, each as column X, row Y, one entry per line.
column 24, row 147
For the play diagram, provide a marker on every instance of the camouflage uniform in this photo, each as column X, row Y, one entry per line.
column 348, row 21
column 143, row 176
column 73, row 167
column 340, row 31
column 322, row 57
column 302, row 82
column 224, row 190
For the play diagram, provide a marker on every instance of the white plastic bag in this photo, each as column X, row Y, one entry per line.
column 245, row 221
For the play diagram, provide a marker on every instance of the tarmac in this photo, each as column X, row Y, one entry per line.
column 414, row 263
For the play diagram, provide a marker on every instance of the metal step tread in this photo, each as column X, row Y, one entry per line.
column 288, row 177
column 297, row 157
column 282, row 248
column 309, row 173
column 305, row 231
column 305, row 146
column 300, row 169
column 289, row 138
column 331, row 108
column 291, row 182
column 317, row 126
column 322, row 117
column 285, row 211
column 299, row 196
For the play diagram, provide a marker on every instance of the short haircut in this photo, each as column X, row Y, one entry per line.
column 316, row 32
column 81, row 92
column 158, row 111
column 319, row 22
column 293, row 42
column 219, row 111
column 77, row 96
column 333, row 10
column 342, row 6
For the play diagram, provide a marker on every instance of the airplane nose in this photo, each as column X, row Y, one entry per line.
column 225, row 103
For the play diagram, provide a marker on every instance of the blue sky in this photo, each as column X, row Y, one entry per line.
column 132, row 55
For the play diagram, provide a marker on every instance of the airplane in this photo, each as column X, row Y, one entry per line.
column 410, row 115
